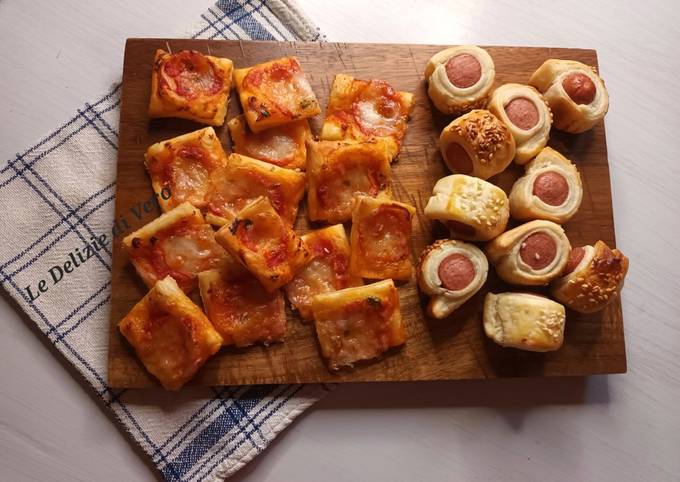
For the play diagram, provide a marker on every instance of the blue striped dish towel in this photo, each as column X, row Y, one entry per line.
column 62, row 195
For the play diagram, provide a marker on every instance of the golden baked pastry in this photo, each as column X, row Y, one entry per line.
column 460, row 78
column 592, row 279
column 477, row 144
column 190, row 85
column 550, row 189
column 575, row 93
column 450, row 272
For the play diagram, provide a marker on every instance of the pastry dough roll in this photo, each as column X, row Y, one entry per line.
column 473, row 209
column 525, row 321
column 531, row 254
column 460, row 78
column 477, row 144
column 450, row 272
column 550, row 189
column 575, row 93
column 592, row 279
column 526, row 114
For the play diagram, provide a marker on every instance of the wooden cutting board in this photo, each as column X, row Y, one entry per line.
column 454, row 348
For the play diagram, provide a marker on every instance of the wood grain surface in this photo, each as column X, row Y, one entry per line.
column 454, row 348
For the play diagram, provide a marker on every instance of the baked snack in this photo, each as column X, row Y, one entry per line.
column 359, row 323
column 460, row 78
column 180, row 168
column 531, row 254
column 327, row 271
column 338, row 170
column 575, row 93
column 190, row 85
column 592, row 279
column 179, row 243
column 550, row 189
column 524, row 320
column 361, row 109
column 170, row 334
column 477, row 144
column 472, row 209
column 526, row 114
column 240, row 309
column 284, row 146
column 450, row 272
column 381, row 235
column 264, row 243
column 244, row 179
column 275, row 93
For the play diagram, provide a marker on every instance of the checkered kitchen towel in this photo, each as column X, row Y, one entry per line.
column 61, row 191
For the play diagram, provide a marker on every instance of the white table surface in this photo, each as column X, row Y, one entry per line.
column 56, row 55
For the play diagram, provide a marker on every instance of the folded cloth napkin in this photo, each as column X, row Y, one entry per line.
column 62, row 191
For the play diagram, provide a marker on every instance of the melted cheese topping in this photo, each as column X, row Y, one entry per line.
column 270, row 145
column 190, row 75
column 384, row 236
column 266, row 235
column 336, row 188
column 234, row 188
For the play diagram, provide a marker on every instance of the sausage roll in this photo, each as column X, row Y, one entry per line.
column 472, row 209
column 526, row 114
column 361, row 109
column 284, row 146
column 190, row 85
column 460, row 78
column 450, row 272
column 338, row 170
column 327, row 271
column 531, row 254
column 244, row 179
column 179, row 244
column 381, row 232
column 264, row 243
column 170, row 334
column 524, row 320
column 477, row 144
column 359, row 323
column 575, row 93
column 592, row 279
column 181, row 168
column 550, row 189
column 275, row 93
column 240, row 309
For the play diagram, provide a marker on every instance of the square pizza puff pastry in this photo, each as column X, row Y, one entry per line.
column 338, row 170
column 190, row 85
column 275, row 93
column 170, row 334
column 240, row 309
column 181, row 168
column 284, row 146
column 361, row 109
column 179, row 243
column 359, row 323
column 244, row 179
column 264, row 244
column 524, row 321
column 381, row 236
column 327, row 271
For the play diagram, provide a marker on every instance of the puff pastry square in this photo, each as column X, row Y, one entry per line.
column 190, row 85
column 181, row 168
column 260, row 239
column 240, row 309
column 275, row 93
column 179, row 244
column 170, row 334
column 359, row 323
column 361, row 109
column 245, row 179
column 381, row 233
column 327, row 271
column 339, row 170
column 284, row 146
